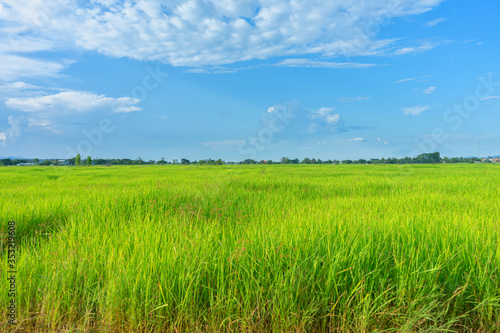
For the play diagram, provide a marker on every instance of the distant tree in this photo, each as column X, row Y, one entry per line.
column 36, row 160
column 46, row 163
column 347, row 162
column 175, row 161
column 428, row 158
column 78, row 160
column 100, row 161
column 185, row 161
column 362, row 161
column 162, row 161
column 306, row 161
column 285, row 160
column 219, row 162
column 89, row 161
column 138, row 161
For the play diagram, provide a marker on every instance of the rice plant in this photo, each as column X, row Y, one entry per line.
column 254, row 248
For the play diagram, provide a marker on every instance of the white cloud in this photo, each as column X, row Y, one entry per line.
column 214, row 70
column 353, row 99
column 475, row 41
column 313, row 127
column 413, row 79
column 17, row 86
column 218, row 145
column 72, row 102
column 405, row 80
column 383, row 142
column 429, row 91
column 32, row 122
column 26, row 28
column 14, row 67
column 434, row 22
column 53, row 112
column 326, row 115
column 205, row 33
column 332, row 119
column 415, row 110
column 320, row 64
column 489, row 97
column 357, row 140
column 412, row 49
column 17, row 126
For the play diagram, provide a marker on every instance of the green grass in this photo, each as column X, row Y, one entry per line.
column 261, row 248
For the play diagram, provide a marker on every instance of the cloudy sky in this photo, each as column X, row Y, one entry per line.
column 331, row 79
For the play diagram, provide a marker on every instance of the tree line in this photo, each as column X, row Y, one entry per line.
column 426, row 158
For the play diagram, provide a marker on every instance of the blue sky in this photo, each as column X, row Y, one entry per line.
column 249, row 79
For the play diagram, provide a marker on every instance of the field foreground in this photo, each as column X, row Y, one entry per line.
column 260, row 248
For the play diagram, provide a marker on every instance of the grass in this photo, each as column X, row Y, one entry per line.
column 260, row 248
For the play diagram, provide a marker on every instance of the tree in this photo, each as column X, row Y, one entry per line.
column 162, row 161
column 78, row 160
column 185, row 161
column 89, row 161
column 428, row 158
column 138, row 161
column 36, row 160
column 285, row 160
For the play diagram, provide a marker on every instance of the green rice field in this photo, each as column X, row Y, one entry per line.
column 266, row 248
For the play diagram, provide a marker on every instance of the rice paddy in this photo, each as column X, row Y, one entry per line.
column 346, row 248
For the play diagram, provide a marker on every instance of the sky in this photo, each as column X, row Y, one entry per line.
column 260, row 79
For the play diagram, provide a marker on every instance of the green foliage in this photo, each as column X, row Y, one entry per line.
column 78, row 160
column 8, row 161
column 162, row 161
